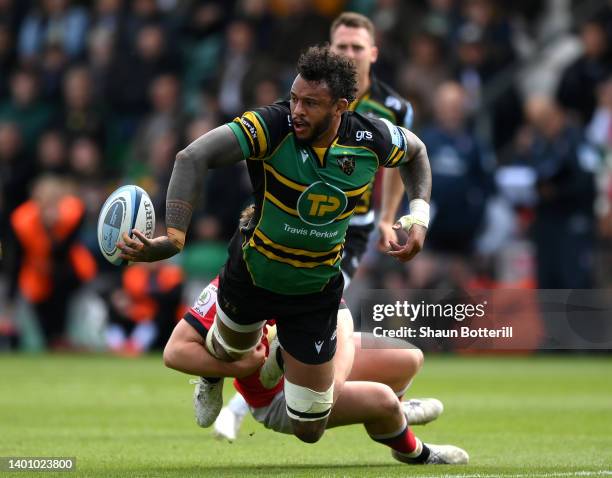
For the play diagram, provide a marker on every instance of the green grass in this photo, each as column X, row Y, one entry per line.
column 544, row 416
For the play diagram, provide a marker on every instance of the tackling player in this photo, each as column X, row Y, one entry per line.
column 370, row 396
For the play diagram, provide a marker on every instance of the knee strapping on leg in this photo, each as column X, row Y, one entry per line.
column 306, row 405
column 233, row 352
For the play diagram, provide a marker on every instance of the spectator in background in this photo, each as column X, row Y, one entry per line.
column 599, row 133
column 145, row 308
column 15, row 176
column 424, row 72
column 462, row 172
column 52, row 156
column 496, row 30
column 100, row 60
column 202, row 41
column 52, row 263
column 390, row 36
column 264, row 92
column 107, row 16
column 54, row 22
column 141, row 14
column 239, row 58
column 599, row 130
column 476, row 67
column 165, row 115
column 158, row 168
column 441, row 18
column 257, row 13
column 578, row 84
column 563, row 229
column 15, row 167
column 7, row 56
column 12, row 13
column 80, row 115
column 133, row 73
column 297, row 27
column 53, row 65
column 24, row 108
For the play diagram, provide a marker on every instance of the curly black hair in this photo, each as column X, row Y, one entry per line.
column 318, row 63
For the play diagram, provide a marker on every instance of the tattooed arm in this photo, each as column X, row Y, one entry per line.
column 416, row 176
column 218, row 147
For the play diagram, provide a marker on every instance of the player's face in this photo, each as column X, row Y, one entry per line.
column 312, row 110
column 356, row 44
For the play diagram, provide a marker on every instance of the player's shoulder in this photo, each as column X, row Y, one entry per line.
column 262, row 129
column 365, row 131
column 390, row 99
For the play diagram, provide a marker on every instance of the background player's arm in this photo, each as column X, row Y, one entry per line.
column 416, row 176
column 218, row 147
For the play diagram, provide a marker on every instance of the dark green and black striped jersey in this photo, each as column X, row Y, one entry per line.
column 380, row 101
column 304, row 200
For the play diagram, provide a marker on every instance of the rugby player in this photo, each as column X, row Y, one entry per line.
column 310, row 161
column 352, row 35
column 370, row 395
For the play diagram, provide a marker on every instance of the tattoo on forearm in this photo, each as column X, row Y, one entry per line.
column 178, row 214
column 416, row 174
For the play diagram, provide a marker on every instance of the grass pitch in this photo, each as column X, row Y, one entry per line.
column 548, row 416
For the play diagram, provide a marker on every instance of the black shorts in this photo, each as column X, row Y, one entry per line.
column 355, row 245
column 306, row 324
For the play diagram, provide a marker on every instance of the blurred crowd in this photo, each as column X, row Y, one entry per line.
column 514, row 103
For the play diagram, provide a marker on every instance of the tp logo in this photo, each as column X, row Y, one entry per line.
column 321, row 203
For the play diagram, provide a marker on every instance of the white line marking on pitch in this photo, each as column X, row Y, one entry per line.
column 530, row 475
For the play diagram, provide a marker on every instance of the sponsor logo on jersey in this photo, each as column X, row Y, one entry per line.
column 347, row 164
column 363, row 134
column 321, row 203
column 206, row 300
column 250, row 127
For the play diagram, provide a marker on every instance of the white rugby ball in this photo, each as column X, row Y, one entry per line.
column 127, row 208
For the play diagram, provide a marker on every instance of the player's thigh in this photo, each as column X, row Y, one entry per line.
column 236, row 323
column 318, row 377
column 393, row 365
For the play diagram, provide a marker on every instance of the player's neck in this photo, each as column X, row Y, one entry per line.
column 327, row 138
column 364, row 86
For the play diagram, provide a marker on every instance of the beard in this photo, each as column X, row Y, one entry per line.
column 318, row 130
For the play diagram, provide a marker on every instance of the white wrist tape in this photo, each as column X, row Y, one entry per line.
column 419, row 214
